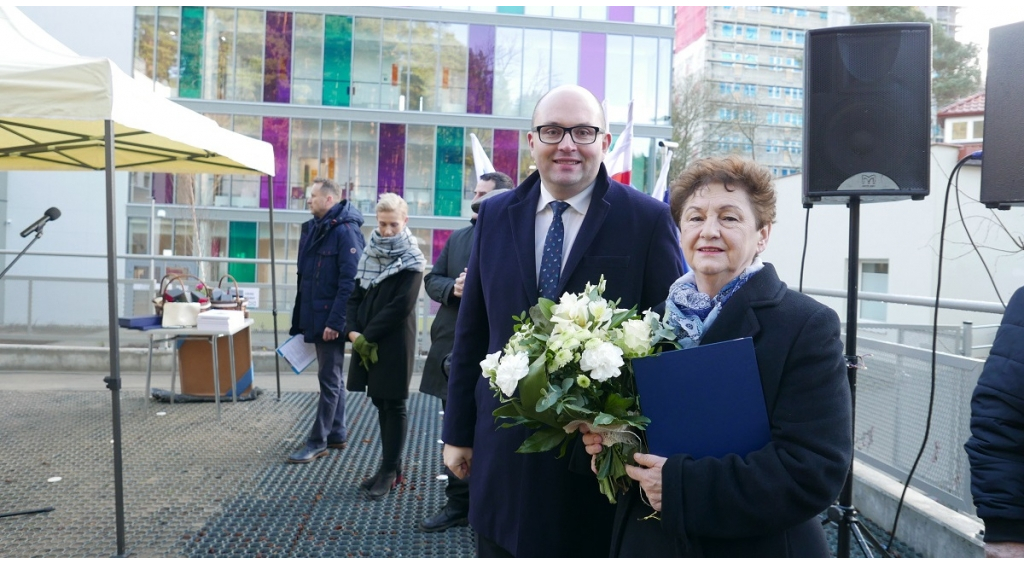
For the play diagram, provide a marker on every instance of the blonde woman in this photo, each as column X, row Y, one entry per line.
column 381, row 325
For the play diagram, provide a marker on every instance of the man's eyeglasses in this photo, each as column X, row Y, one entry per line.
column 580, row 134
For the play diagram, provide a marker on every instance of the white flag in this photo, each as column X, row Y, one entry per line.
column 480, row 161
column 661, row 186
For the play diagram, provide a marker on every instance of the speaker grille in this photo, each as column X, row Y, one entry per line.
column 867, row 113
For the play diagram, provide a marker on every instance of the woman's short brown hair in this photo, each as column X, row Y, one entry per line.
column 733, row 172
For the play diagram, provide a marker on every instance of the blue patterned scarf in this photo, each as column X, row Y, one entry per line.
column 690, row 313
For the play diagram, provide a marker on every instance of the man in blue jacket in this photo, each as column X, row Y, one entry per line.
column 996, row 446
column 566, row 225
column 329, row 250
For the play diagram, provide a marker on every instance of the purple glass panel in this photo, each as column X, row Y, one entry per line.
column 277, row 69
column 480, row 90
column 592, row 62
column 391, row 159
column 275, row 132
column 506, row 152
column 163, row 188
column 620, row 13
column 440, row 238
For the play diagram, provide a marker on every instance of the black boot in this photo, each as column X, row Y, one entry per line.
column 368, row 483
column 382, row 486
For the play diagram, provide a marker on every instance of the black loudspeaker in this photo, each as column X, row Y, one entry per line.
column 1002, row 168
column 867, row 113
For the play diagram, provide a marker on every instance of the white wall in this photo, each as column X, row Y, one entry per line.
column 906, row 234
column 80, row 196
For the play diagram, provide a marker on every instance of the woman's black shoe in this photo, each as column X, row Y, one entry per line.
column 380, row 488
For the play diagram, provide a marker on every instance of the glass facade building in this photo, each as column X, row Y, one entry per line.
column 380, row 100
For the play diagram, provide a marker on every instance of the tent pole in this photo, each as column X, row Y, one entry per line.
column 114, row 380
column 273, row 284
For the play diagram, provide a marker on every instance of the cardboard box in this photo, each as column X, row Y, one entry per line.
column 195, row 361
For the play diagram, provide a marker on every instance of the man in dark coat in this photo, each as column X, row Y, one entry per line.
column 996, row 446
column 329, row 249
column 531, row 505
column 444, row 285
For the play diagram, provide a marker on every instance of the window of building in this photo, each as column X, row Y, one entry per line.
column 771, row 118
column 727, row 30
column 750, row 90
column 774, row 91
column 775, row 35
column 959, row 131
column 874, row 277
column 751, row 32
column 800, row 37
column 979, row 129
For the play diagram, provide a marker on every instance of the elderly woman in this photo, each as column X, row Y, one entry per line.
column 381, row 324
column 765, row 504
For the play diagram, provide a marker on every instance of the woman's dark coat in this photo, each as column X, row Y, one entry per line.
column 996, row 446
column 386, row 315
column 766, row 504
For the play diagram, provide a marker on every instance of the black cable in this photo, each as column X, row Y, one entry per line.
column 971, row 239
column 935, row 339
column 803, row 255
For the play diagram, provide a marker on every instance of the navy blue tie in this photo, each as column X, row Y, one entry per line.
column 551, row 261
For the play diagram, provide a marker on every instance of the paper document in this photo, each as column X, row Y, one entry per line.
column 298, row 353
column 703, row 401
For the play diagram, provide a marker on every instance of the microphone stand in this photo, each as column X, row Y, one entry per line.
column 39, row 233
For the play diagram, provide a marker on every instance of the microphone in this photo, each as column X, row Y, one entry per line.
column 49, row 215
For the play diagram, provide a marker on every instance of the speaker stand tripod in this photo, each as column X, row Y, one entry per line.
column 844, row 514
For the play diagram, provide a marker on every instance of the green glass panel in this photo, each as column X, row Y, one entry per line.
column 190, row 84
column 448, row 172
column 510, row 10
column 242, row 244
column 337, row 60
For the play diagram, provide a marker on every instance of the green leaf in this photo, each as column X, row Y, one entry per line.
column 604, row 419
column 542, row 441
column 618, row 318
column 617, row 405
column 549, row 398
column 506, row 410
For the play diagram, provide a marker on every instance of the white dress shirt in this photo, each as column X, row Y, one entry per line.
column 572, row 219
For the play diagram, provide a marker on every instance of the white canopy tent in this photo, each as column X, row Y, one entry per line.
column 62, row 111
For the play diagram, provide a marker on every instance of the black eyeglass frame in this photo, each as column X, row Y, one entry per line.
column 570, row 131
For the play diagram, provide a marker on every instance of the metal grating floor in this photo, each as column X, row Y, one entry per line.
column 196, row 487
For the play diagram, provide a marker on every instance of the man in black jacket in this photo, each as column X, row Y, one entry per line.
column 996, row 446
column 444, row 286
column 329, row 250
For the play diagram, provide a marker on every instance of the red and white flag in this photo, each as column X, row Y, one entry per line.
column 481, row 163
column 619, row 161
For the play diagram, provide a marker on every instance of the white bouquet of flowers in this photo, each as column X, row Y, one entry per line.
column 570, row 364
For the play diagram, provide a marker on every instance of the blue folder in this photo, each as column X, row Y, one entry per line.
column 703, row 401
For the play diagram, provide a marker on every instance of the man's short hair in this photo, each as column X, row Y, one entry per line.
column 500, row 179
column 329, row 186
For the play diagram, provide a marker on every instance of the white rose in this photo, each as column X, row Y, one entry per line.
column 636, row 336
column 602, row 361
column 510, row 371
column 490, row 363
